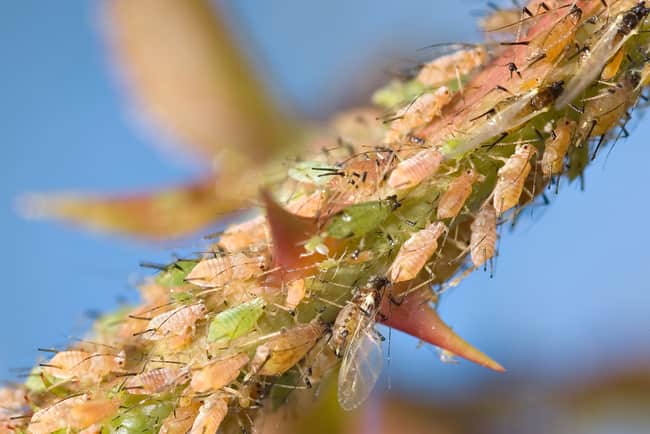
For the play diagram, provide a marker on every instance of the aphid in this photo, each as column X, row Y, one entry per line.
column 419, row 113
column 357, row 220
column 415, row 252
column 295, row 293
column 552, row 43
column 73, row 413
column 84, row 366
column 156, row 380
column 511, row 178
column 177, row 322
column 218, row 373
column 355, row 339
column 181, row 419
column 453, row 199
column 282, row 352
column 447, row 68
column 603, row 111
column 13, row 403
column 610, row 70
column 236, row 321
column 412, row 171
column 484, row 235
column 507, row 115
column 609, row 43
column 212, row 412
column 243, row 235
column 218, row 272
column 556, row 147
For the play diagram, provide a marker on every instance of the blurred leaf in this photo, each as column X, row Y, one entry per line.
column 187, row 75
column 168, row 213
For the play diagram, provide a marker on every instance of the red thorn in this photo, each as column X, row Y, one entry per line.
column 418, row 318
column 289, row 233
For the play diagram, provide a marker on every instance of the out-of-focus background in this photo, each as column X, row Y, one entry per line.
column 567, row 308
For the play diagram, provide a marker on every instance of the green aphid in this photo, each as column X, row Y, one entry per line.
column 181, row 297
column 37, row 381
column 140, row 416
column 236, row 321
column 358, row 220
column 175, row 274
column 312, row 172
column 398, row 93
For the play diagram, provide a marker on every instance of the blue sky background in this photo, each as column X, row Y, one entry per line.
column 570, row 296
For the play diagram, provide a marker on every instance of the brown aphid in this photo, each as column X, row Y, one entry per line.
column 156, row 380
column 453, row 199
column 551, row 44
column 605, row 110
column 484, row 235
column 556, row 147
column 319, row 361
column 252, row 394
column 178, row 322
column 415, row 252
column 73, row 413
column 180, row 420
column 244, row 235
column 414, row 170
column 417, row 114
column 84, row 366
column 212, row 412
column 218, row 373
column 280, row 353
column 295, row 293
column 444, row 69
column 218, row 272
column 511, row 178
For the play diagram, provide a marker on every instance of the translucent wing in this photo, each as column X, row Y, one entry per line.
column 600, row 54
column 360, row 369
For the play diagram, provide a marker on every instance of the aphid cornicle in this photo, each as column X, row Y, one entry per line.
column 447, row 68
column 217, row 272
column 211, row 414
column 415, row 252
column 511, row 178
column 156, row 380
column 453, row 199
column 484, row 235
column 177, row 322
column 420, row 112
column 556, row 147
column 218, row 373
column 84, row 366
column 412, row 171
column 355, row 338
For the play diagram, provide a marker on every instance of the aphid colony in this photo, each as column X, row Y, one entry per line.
column 375, row 224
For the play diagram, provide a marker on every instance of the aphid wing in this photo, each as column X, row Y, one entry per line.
column 593, row 66
column 360, row 370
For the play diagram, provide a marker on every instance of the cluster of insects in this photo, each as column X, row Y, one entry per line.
column 490, row 129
